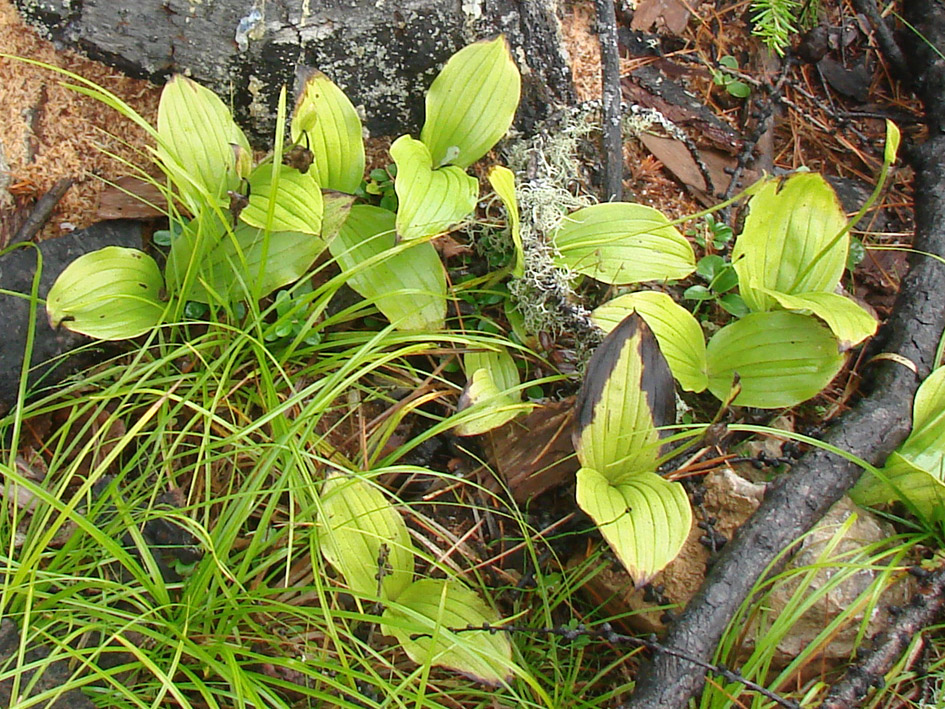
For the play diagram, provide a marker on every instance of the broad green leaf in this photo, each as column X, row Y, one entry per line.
column 430, row 201
column 623, row 243
column 925, row 446
column 906, row 481
column 491, row 375
column 337, row 207
column 196, row 142
column 425, row 618
column 360, row 532
column 110, row 294
column 405, row 281
column 781, row 248
column 471, row 103
column 645, row 519
column 626, row 395
column 677, row 331
column 781, row 359
column 298, row 200
column 503, row 182
column 326, row 122
column 231, row 269
column 850, row 323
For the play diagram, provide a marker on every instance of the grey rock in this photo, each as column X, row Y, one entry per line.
column 383, row 53
column 16, row 274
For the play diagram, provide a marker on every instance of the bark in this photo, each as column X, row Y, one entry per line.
column 383, row 53
column 871, row 430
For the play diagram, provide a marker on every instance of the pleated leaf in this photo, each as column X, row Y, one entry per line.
column 645, row 519
column 678, row 333
column 231, row 269
column 406, row 282
column 425, row 619
column 110, row 294
column 916, row 486
column 503, row 182
column 491, row 375
column 789, row 243
column 360, row 532
column 621, row 243
column 626, row 396
column 298, row 200
column 471, row 103
column 326, row 122
column 925, row 446
column 430, row 201
column 781, row 359
column 196, row 143
column 850, row 323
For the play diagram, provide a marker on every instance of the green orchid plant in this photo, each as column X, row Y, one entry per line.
column 244, row 231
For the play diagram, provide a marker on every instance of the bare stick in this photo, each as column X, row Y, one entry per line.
column 610, row 115
column 42, row 211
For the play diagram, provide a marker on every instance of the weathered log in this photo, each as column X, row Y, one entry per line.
column 383, row 53
column 876, row 424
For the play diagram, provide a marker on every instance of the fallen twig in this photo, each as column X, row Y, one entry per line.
column 42, row 211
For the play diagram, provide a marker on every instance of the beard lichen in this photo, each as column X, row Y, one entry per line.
column 549, row 186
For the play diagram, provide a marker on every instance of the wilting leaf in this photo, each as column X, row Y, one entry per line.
column 406, row 282
column 231, row 269
column 503, row 182
column 425, row 619
column 197, row 135
column 359, row 533
column 430, row 201
column 850, row 323
column 471, row 103
column 325, row 122
column 789, row 242
column 491, row 374
column 110, row 294
column 298, row 201
column 337, row 206
column 781, row 359
column 626, row 396
column 645, row 519
column 623, row 243
column 678, row 333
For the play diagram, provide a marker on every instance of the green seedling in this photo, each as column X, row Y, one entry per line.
column 721, row 280
column 720, row 77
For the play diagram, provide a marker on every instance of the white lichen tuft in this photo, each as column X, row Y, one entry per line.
column 549, row 187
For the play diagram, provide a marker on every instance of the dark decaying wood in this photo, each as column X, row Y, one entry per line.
column 611, row 137
column 876, row 425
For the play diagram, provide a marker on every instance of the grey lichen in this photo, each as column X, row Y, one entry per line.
column 548, row 189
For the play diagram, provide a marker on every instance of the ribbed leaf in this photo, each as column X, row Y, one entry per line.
column 781, row 359
column 430, row 201
column 359, row 533
column 906, row 481
column 196, row 143
column 627, row 394
column 298, row 200
column 231, row 269
column 789, row 242
column 645, row 519
column 850, row 323
column 425, row 617
column 471, row 103
column 503, row 182
column 925, row 446
column 326, row 122
column 110, row 294
column 623, row 243
column 677, row 331
column 406, row 282
column 491, row 374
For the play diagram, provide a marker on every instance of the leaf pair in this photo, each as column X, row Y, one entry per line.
column 489, row 399
column 366, row 540
column 626, row 398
